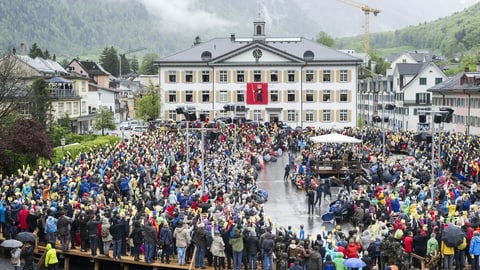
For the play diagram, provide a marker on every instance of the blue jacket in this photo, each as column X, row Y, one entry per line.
column 475, row 245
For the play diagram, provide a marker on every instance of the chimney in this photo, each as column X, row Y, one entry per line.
column 14, row 51
column 232, row 37
column 466, row 69
column 22, row 48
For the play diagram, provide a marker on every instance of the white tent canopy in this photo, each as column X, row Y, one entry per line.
column 334, row 138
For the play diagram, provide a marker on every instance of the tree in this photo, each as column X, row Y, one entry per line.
column 125, row 64
column 12, row 87
column 325, row 39
column 27, row 136
column 134, row 63
column 41, row 105
column 35, row 51
column 147, row 67
column 109, row 60
column 148, row 106
column 104, row 119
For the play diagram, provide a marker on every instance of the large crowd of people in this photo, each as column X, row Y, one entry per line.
column 193, row 196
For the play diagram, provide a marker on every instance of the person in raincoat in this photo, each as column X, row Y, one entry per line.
column 51, row 260
column 338, row 261
column 474, row 250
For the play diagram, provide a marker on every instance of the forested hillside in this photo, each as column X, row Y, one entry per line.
column 65, row 26
column 450, row 35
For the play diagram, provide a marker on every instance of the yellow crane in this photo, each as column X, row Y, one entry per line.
column 367, row 10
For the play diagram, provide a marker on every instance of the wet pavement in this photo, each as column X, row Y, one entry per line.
column 287, row 205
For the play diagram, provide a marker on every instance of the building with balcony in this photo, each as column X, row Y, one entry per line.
column 461, row 93
column 294, row 80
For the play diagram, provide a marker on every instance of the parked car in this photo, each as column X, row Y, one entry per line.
column 139, row 130
column 125, row 126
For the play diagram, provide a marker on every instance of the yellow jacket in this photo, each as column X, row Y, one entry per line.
column 51, row 256
column 446, row 250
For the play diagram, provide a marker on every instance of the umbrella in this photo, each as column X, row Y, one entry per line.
column 354, row 263
column 452, row 236
column 25, row 237
column 11, row 243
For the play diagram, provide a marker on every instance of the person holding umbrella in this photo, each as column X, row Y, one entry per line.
column 27, row 255
column 15, row 252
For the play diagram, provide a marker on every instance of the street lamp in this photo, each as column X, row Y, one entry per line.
column 444, row 115
column 62, row 142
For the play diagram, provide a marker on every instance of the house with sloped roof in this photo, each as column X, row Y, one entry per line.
column 92, row 70
column 68, row 93
column 294, row 80
column 410, row 82
column 461, row 93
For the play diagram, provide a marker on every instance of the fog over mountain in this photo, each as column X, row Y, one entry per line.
column 305, row 18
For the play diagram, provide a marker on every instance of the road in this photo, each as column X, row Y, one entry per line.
column 287, row 206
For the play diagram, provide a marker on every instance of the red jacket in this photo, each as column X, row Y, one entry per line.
column 408, row 244
column 22, row 219
column 351, row 251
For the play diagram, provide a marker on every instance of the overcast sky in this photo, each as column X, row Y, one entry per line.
column 307, row 17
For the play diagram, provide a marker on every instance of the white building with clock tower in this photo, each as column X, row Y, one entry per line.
column 294, row 80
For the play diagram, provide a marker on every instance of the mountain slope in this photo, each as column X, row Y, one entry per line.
column 456, row 33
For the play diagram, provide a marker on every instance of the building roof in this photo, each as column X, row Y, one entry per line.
column 293, row 47
column 42, row 65
column 409, row 68
column 93, row 68
column 454, row 84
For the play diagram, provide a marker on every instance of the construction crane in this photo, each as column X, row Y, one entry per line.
column 367, row 10
column 127, row 52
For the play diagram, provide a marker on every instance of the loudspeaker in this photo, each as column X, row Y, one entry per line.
column 191, row 116
column 422, row 118
column 203, row 117
column 437, row 118
column 428, row 138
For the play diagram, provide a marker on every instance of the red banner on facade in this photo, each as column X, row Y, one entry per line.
column 257, row 93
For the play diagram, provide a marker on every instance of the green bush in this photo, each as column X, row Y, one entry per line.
column 81, row 144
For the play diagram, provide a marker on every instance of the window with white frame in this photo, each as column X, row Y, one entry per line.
column 240, row 95
column 327, row 116
column 223, row 96
column 172, row 96
column 274, row 76
column 205, row 96
column 189, row 96
column 343, row 95
column 68, row 108
column 172, row 76
column 422, row 98
column 60, row 110
column 172, row 114
column 326, row 75
column 291, row 95
column 75, row 108
column 326, row 96
column 205, row 76
column 257, row 76
column 188, row 76
column 343, row 75
column 343, row 115
column 257, row 115
column 223, row 76
column 273, row 95
column 291, row 76
column 291, row 116
column 309, row 115
column 240, row 76
column 309, row 95
column 309, row 75
column 423, row 81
